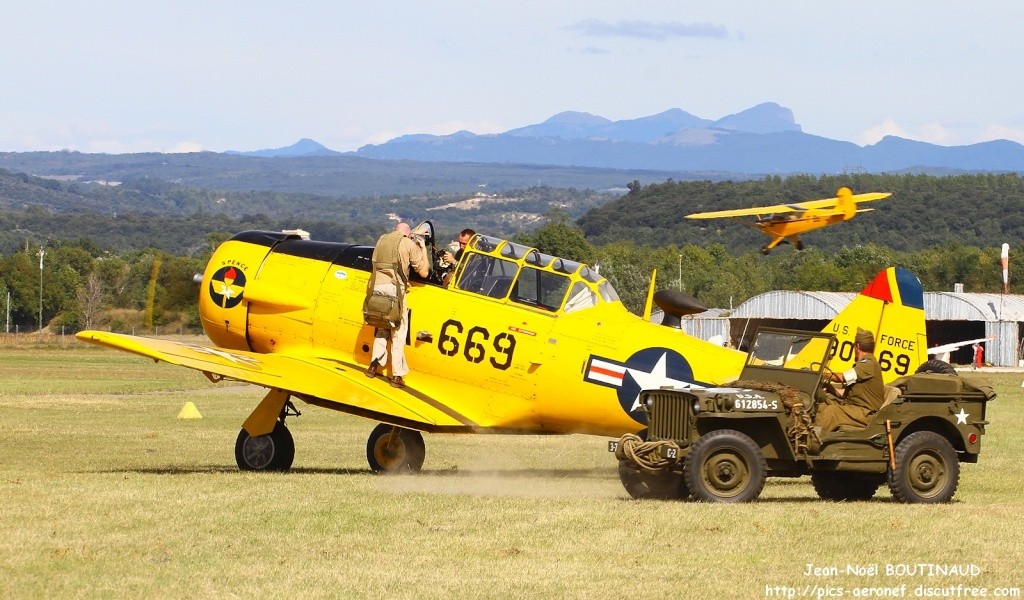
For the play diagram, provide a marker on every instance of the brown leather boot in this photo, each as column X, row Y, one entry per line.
column 397, row 381
column 371, row 371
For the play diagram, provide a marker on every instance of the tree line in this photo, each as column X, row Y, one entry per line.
column 135, row 269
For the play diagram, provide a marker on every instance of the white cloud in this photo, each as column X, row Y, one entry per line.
column 183, row 147
column 1000, row 132
column 648, row 30
column 942, row 134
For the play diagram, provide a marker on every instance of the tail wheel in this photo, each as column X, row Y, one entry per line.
column 393, row 449
column 725, row 466
column 272, row 452
column 664, row 485
column 927, row 469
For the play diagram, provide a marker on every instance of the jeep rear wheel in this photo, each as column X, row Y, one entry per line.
column 725, row 466
column 842, row 487
column 927, row 469
column 664, row 485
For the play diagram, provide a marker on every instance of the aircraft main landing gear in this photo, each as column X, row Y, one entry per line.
column 272, row 452
column 392, row 449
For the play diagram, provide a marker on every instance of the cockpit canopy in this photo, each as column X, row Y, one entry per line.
column 501, row 269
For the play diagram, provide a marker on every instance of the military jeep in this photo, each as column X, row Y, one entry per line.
column 720, row 444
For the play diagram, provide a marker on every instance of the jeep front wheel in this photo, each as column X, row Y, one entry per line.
column 664, row 485
column 725, row 466
column 927, row 469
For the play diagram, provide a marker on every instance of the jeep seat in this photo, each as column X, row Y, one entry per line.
column 891, row 394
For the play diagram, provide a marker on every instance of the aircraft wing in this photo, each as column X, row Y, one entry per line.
column 785, row 208
column 955, row 345
column 336, row 381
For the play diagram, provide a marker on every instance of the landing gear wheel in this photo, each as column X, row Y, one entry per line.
column 843, row 487
column 766, row 250
column 799, row 245
column 936, row 366
column 927, row 469
column 664, row 485
column 725, row 466
column 272, row 452
column 393, row 449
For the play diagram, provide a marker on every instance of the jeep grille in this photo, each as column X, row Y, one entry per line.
column 670, row 416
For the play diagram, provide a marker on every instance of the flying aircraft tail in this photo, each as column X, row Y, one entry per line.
column 891, row 306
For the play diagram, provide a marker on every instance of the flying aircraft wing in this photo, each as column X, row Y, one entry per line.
column 955, row 345
column 786, row 208
column 319, row 378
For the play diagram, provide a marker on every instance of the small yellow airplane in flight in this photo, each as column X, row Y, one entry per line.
column 785, row 222
column 517, row 342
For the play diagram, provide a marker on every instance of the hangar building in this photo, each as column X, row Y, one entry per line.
column 950, row 317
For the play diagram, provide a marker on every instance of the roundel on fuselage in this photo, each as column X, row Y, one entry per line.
column 227, row 286
column 651, row 368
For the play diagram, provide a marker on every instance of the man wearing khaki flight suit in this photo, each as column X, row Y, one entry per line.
column 397, row 248
column 865, row 392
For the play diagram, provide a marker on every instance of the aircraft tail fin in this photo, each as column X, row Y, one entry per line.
column 891, row 306
column 845, row 203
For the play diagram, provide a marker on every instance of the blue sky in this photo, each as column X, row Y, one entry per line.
column 118, row 76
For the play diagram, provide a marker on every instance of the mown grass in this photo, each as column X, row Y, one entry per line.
column 106, row 494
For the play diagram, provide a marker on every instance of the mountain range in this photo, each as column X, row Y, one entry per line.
column 761, row 140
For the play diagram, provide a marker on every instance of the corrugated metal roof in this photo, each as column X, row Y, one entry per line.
column 938, row 306
column 951, row 306
column 793, row 305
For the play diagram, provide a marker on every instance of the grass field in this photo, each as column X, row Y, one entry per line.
column 104, row 493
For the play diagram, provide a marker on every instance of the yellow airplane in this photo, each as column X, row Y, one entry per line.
column 785, row 222
column 518, row 342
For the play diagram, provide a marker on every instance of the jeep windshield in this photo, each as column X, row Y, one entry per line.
column 790, row 350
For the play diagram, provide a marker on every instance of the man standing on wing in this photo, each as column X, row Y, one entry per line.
column 393, row 256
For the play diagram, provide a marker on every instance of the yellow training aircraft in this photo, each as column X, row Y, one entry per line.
column 787, row 221
column 518, row 342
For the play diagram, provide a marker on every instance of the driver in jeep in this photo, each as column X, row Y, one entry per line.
column 864, row 392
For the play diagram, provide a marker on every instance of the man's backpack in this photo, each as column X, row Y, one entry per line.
column 382, row 310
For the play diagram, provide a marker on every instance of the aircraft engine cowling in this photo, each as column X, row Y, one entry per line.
column 222, row 294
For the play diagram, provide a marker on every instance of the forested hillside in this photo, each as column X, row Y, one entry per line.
column 150, row 213
column 121, row 257
column 923, row 212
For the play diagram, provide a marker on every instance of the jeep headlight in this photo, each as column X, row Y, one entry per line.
column 695, row 407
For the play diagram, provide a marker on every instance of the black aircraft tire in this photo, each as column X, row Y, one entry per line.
column 665, row 485
column 844, row 487
column 936, row 366
column 927, row 469
column 391, row 449
column 725, row 466
column 272, row 452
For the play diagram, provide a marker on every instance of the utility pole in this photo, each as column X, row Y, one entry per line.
column 680, row 272
column 41, row 254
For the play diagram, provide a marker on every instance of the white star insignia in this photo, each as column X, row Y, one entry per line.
column 655, row 379
column 235, row 358
column 961, row 417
